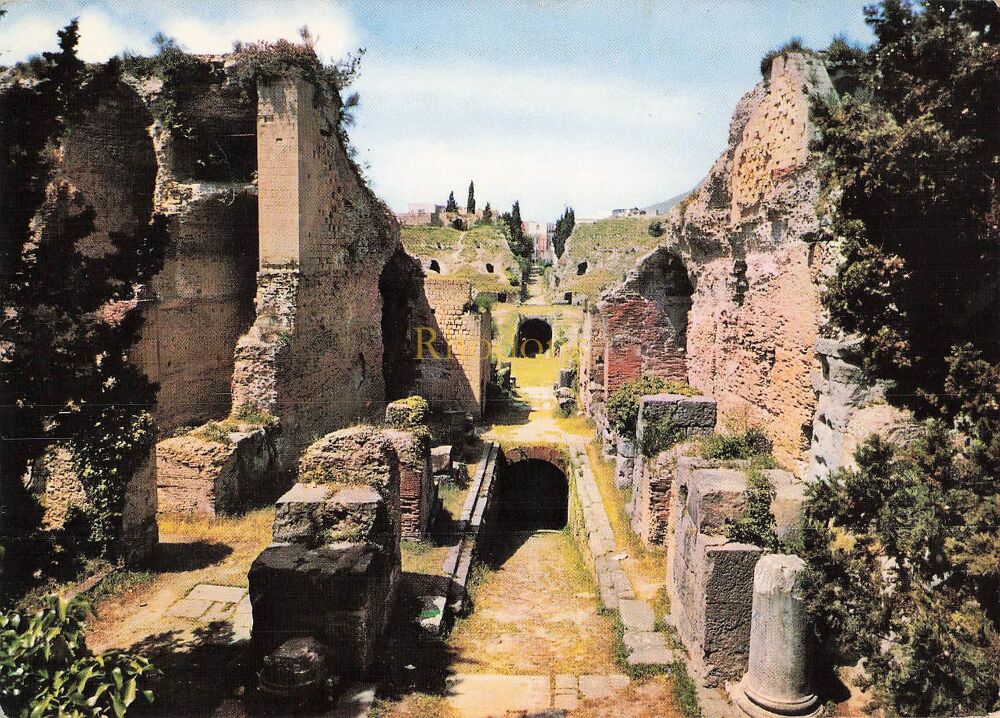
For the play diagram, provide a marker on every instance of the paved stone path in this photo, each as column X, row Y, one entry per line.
column 482, row 695
column 208, row 603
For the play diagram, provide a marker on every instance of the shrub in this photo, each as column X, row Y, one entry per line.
column 793, row 45
column 623, row 404
column 656, row 228
column 756, row 525
column 659, row 435
column 47, row 670
column 745, row 445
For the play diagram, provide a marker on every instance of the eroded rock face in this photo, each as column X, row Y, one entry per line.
column 740, row 239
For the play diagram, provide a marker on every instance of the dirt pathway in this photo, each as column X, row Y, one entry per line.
column 534, row 613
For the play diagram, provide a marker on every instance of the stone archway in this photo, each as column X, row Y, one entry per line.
column 532, row 490
column 534, row 337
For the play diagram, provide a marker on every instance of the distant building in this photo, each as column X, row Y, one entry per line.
column 633, row 212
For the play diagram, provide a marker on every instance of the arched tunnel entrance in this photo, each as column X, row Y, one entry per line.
column 534, row 337
column 531, row 496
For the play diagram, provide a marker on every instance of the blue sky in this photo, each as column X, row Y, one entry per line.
column 591, row 104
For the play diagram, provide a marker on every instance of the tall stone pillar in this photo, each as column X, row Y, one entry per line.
column 778, row 681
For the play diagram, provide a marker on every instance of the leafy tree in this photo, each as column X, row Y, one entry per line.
column 451, row 206
column 564, row 228
column 470, row 204
column 487, row 214
column 911, row 189
column 65, row 325
column 520, row 243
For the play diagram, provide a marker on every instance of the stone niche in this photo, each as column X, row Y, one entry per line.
column 333, row 567
column 710, row 578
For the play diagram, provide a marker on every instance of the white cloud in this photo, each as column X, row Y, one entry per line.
column 31, row 27
column 574, row 99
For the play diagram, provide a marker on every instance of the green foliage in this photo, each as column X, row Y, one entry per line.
column 520, row 243
column 470, row 203
column 659, row 435
column 564, row 228
column 793, row 45
column 66, row 368
column 904, row 547
column 458, row 223
column 484, row 302
column 214, row 431
column 685, row 691
column 910, row 190
column 417, row 408
column 46, row 669
column 656, row 228
column 451, row 205
column 487, row 214
column 253, row 413
column 623, row 404
column 106, row 455
column 744, row 445
column 757, row 525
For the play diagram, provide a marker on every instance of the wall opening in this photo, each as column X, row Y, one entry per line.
column 581, row 268
column 568, row 297
column 534, row 337
column 399, row 286
column 533, row 495
column 489, row 268
column 434, row 266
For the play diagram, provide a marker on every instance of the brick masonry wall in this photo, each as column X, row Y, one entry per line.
column 314, row 354
column 455, row 375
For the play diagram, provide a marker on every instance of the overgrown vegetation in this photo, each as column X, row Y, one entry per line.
column 757, row 524
column 623, row 404
column 46, row 669
column 685, row 691
column 659, row 435
column 66, row 325
column 793, row 45
column 903, row 551
column 749, row 444
column 911, row 191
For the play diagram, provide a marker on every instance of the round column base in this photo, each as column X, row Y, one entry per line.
column 755, row 704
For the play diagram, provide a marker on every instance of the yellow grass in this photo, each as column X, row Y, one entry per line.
column 646, row 565
column 538, row 371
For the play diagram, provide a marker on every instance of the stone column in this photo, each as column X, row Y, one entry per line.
column 778, row 681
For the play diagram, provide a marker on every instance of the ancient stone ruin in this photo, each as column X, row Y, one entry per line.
column 332, row 570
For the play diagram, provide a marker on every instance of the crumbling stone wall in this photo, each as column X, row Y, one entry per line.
column 710, row 577
column 314, row 355
column 455, row 374
column 742, row 237
column 849, row 408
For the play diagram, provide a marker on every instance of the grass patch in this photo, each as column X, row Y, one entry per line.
column 422, row 556
column 415, row 705
column 118, row 583
column 541, row 370
column 646, row 567
column 685, row 691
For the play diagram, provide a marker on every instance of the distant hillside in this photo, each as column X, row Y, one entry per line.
column 666, row 205
column 609, row 247
column 471, row 254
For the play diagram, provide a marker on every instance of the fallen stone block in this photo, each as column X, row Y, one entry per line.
column 441, row 461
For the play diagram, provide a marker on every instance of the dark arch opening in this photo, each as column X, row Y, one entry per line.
column 489, row 268
column 532, row 495
column 568, row 297
column 434, row 266
column 534, row 336
column 581, row 268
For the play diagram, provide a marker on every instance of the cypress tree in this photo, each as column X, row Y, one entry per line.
column 470, row 205
column 451, row 206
